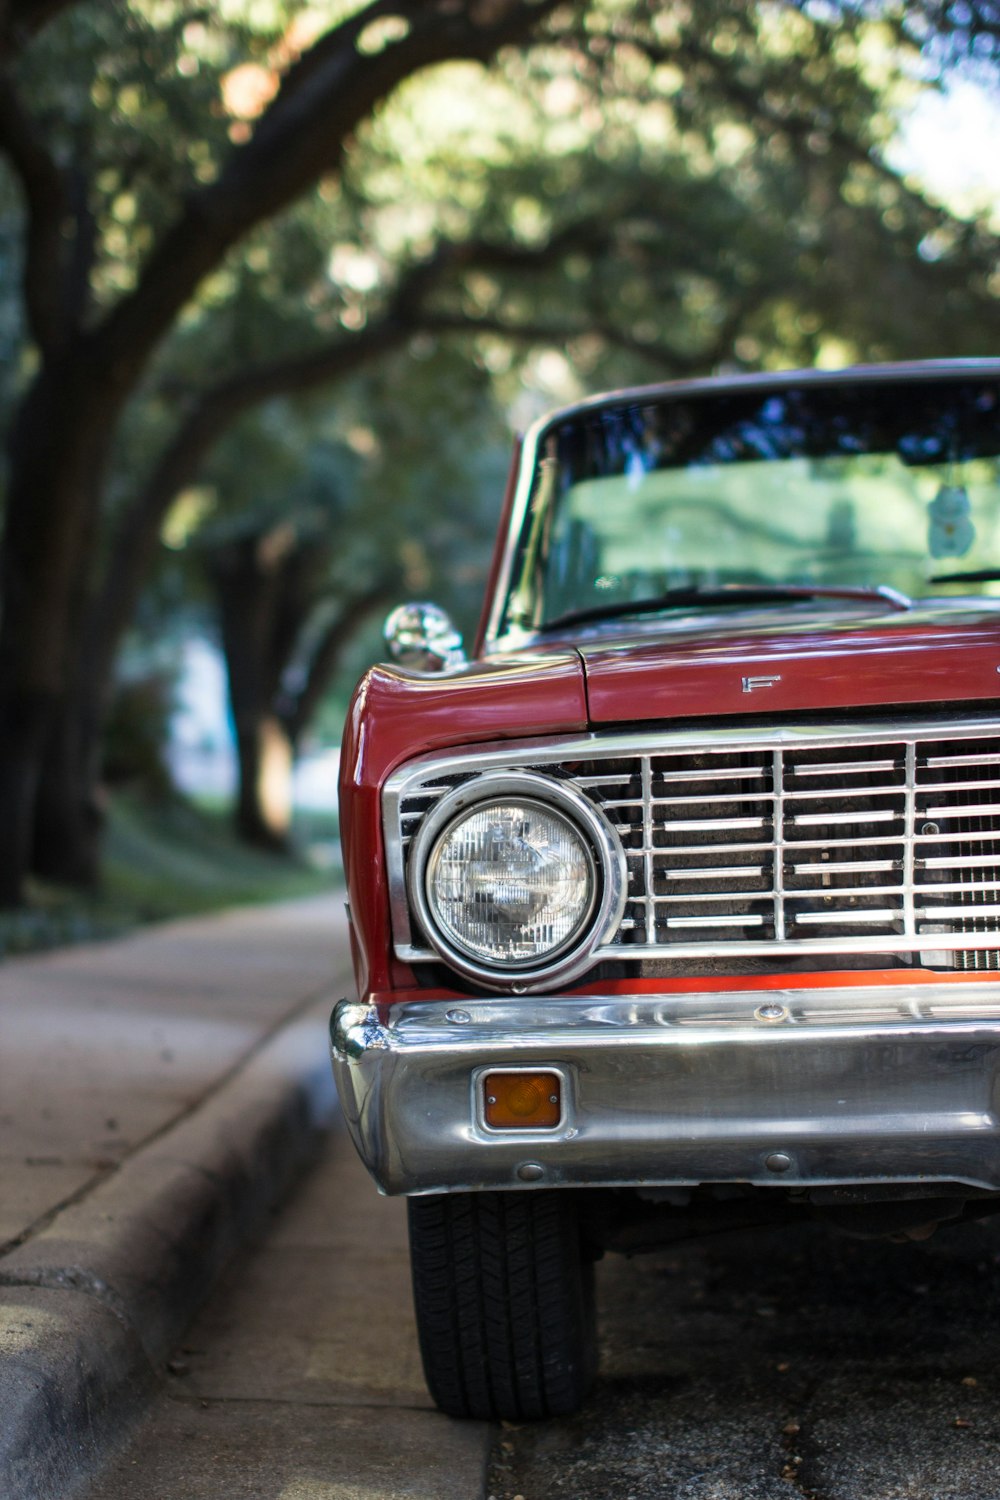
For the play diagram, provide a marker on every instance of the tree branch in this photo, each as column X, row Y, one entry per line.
column 297, row 713
column 214, row 410
column 299, row 138
column 670, row 361
column 138, row 535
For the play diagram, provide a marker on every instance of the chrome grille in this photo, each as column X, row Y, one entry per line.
column 869, row 841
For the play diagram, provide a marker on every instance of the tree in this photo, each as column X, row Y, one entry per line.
column 90, row 360
column 688, row 190
column 269, row 584
column 353, row 533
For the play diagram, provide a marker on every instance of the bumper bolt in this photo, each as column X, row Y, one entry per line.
column 458, row 1017
column 771, row 1013
column 530, row 1171
column 778, row 1161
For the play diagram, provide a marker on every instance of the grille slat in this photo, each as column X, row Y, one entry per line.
column 937, row 913
column 952, row 861
column 703, row 825
column 969, row 810
column 850, row 892
column 834, row 819
column 846, row 768
column 703, row 896
column 721, row 920
column 847, row 866
column 933, row 762
column 885, row 914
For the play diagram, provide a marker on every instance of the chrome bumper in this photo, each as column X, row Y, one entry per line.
column 792, row 1087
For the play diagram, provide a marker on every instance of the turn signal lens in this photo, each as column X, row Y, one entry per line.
column 522, row 1101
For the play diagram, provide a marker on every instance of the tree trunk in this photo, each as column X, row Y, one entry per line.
column 264, row 804
column 253, row 577
column 24, row 719
column 69, row 815
column 58, row 453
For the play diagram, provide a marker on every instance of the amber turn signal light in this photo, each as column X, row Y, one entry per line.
column 522, row 1101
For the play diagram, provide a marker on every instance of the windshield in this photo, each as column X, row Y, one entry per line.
column 873, row 484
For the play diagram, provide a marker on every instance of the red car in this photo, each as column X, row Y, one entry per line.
column 678, row 903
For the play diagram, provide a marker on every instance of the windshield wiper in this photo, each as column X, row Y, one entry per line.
column 725, row 594
column 977, row 575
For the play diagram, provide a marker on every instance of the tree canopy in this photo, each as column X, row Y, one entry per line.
column 214, row 210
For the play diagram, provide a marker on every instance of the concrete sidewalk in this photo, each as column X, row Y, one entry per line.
column 157, row 1094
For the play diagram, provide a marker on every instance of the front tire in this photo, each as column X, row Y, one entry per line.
column 504, row 1298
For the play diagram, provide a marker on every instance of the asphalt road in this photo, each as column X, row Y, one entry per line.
column 796, row 1366
column 749, row 1367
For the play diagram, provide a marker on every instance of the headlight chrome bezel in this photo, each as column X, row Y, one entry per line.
column 605, row 854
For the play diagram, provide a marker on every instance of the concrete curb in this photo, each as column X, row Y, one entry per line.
column 92, row 1305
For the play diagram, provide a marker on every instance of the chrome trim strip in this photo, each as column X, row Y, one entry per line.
column 537, row 755
column 647, row 843
column 778, row 842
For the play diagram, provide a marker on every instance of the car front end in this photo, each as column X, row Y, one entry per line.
column 682, row 898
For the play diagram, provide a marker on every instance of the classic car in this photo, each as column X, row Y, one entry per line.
column 676, row 905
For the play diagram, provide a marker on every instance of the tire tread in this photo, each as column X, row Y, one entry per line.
column 504, row 1303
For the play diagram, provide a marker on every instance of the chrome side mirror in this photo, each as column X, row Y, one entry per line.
column 422, row 636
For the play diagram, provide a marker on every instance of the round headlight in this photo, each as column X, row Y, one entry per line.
column 515, row 874
column 510, row 882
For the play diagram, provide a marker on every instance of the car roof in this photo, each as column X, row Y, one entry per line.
column 739, row 383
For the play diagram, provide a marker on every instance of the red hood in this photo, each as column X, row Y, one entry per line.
column 941, row 652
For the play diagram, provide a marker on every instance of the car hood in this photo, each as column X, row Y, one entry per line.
column 765, row 662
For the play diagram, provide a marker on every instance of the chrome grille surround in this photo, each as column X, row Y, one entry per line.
column 607, row 876
column 881, row 837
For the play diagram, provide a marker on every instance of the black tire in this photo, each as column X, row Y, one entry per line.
column 504, row 1297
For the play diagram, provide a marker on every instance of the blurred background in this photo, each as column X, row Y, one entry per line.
column 279, row 283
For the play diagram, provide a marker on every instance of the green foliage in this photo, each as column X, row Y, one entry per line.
column 170, row 858
column 165, row 859
column 398, row 475
column 714, row 172
column 645, row 191
column 134, row 95
column 675, row 188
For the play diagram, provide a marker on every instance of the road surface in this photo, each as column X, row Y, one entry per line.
column 749, row 1367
